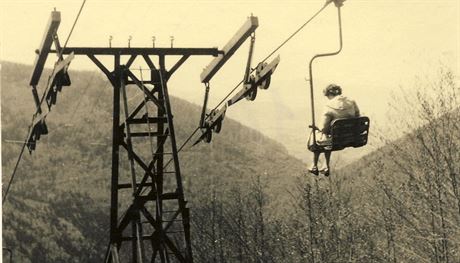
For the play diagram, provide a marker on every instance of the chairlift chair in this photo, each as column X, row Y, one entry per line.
column 350, row 132
column 346, row 132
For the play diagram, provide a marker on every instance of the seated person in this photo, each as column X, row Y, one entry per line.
column 338, row 107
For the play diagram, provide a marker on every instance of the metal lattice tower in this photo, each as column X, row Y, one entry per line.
column 149, row 218
column 151, row 200
column 157, row 212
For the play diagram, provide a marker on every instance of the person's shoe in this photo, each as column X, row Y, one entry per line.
column 325, row 171
column 314, row 170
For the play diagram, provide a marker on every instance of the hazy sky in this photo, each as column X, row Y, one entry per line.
column 387, row 43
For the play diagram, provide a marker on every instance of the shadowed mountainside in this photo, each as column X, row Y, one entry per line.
column 58, row 206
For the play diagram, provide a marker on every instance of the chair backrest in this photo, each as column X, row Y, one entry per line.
column 350, row 132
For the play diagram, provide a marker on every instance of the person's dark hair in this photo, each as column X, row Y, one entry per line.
column 332, row 89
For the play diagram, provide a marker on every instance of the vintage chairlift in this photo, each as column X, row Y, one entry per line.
column 349, row 132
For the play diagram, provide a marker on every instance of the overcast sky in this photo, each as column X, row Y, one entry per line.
column 387, row 43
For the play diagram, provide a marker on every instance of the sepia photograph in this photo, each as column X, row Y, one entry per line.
column 227, row 131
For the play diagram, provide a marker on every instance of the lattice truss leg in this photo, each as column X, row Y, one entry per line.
column 152, row 224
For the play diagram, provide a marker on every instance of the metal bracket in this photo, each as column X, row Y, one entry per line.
column 229, row 49
column 250, row 89
column 205, row 105
column 45, row 47
column 247, row 72
column 58, row 79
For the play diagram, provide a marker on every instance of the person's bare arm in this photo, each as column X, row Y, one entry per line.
column 357, row 113
column 326, row 125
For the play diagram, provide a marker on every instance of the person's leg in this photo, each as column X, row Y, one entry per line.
column 327, row 155
column 314, row 168
column 316, row 158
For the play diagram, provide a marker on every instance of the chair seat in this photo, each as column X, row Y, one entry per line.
column 349, row 132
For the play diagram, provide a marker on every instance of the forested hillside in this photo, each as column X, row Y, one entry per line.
column 250, row 201
column 414, row 180
column 58, row 207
